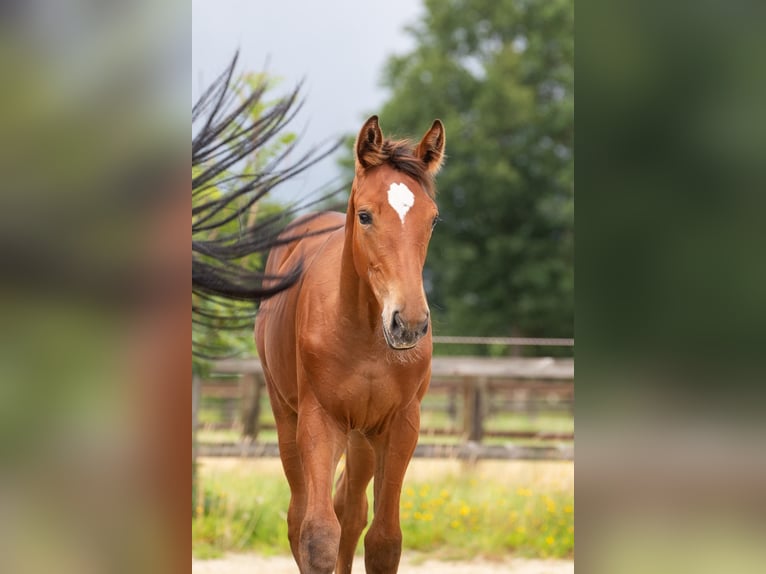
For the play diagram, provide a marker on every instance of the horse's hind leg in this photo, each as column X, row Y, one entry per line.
column 351, row 498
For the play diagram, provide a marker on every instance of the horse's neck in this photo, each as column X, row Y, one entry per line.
column 358, row 305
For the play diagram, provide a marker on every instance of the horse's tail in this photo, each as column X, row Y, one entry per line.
column 228, row 279
column 228, row 135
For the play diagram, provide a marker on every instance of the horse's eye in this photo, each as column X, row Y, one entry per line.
column 365, row 218
column 434, row 222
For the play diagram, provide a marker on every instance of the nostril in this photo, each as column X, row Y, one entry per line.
column 424, row 330
column 397, row 324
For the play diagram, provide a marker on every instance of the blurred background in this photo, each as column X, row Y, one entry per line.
column 94, row 249
column 94, row 270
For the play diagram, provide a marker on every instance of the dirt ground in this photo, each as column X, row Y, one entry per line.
column 411, row 564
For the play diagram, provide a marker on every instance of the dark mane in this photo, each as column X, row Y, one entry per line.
column 400, row 155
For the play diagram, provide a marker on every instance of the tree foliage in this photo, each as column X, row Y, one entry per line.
column 499, row 73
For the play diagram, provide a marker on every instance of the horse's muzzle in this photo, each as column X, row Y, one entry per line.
column 401, row 334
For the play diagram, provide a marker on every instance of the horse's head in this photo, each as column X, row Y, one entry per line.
column 391, row 214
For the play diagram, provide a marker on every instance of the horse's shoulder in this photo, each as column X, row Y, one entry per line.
column 317, row 231
column 318, row 222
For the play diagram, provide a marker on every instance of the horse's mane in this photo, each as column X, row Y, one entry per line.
column 400, row 155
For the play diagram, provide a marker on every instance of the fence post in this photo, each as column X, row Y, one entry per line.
column 250, row 391
column 473, row 408
column 452, row 406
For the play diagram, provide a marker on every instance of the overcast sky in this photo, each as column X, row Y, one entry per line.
column 338, row 47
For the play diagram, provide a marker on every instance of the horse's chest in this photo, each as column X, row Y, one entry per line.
column 363, row 394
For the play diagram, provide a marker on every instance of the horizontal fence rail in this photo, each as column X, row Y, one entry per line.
column 489, row 367
column 471, row 390
column 470, row 451
column 510, row 341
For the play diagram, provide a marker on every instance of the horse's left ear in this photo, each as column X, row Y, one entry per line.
column 431, row 147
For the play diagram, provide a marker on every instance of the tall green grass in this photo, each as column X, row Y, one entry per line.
column 236, row 512
column 462, row 517
column 448, row 515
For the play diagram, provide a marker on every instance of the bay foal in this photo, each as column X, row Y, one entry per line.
column 346, row 353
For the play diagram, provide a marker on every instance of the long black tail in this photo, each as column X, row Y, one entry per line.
column 228, row 136
column 222, row 270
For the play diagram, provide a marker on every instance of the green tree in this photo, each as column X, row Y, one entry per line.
column 500, row 75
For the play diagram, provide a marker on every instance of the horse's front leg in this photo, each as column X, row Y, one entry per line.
column 320, row 443
column 393, row 451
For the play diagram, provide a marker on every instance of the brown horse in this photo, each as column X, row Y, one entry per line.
column 347, row 354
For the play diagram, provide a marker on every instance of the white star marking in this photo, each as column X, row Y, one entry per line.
column 401, row 199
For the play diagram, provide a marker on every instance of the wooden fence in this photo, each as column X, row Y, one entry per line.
column 469, row 389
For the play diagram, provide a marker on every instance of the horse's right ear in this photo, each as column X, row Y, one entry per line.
column 368, row 145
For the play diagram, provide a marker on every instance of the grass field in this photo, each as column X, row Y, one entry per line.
column 449, row 509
